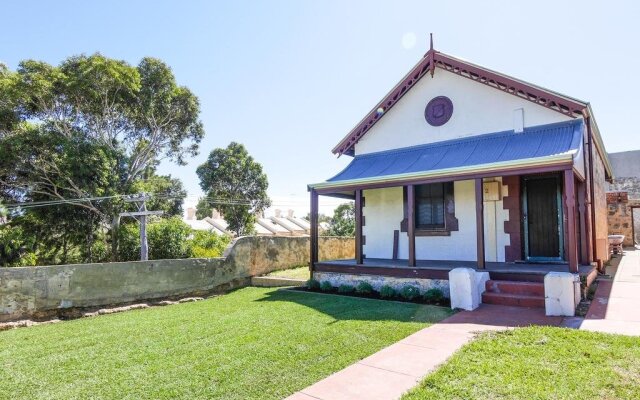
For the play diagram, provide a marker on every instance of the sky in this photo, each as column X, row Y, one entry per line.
column 289, row 79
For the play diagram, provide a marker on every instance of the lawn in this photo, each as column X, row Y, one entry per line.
column 293, row 273
column 253, row 343
column 539, row 363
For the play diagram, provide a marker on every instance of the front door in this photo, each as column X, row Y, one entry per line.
column 542, row 218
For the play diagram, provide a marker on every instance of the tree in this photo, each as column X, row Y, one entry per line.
column 234, row 184
column 91, row 127
column 343, row 222
column 203, row 208
column 171, row 238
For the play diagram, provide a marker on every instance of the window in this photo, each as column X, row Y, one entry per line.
column 435, row 210
column 430, row 206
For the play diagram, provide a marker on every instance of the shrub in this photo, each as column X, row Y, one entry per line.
column 205, row 244
column 364, row 287
column 434, row 296
column 313, row 284
column 326, row 286
column 409, row 292
column 387, row 292
column 345, row 289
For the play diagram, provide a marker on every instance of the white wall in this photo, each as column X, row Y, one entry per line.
column 495, row 215
column 383, row 213
column 477, row 109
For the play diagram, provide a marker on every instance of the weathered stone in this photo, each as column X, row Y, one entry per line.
column 466, row 287
column 68, row 290
column 190, row 299
column 377, row 281
column 562, row 293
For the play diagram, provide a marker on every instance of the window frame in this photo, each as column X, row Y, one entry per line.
column 450, row 220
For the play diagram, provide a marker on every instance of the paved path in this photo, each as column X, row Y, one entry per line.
column 616, row 305
column 392, row 371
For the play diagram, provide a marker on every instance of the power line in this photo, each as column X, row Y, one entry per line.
column 158, row 196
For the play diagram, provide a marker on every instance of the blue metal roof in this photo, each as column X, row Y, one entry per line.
column 534, row 142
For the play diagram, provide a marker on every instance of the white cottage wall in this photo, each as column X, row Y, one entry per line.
column 495, row 239
column 477, row 109
column 382, row 215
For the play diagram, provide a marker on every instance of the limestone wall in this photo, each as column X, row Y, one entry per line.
column 28, row 292
column 620, row 215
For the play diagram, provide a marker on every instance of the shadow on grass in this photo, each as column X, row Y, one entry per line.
column 353, row 308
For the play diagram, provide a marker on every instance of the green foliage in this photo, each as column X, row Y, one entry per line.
column 235, row 184
column 203, row 209
column 326, row 286
column 343, row 222
column 387, row 292
column 409, row 292
column 170, row 238
column 205, row 244
column 434, row 296
column 16, row 248
column 346, row 289
column 364, row 287
column 313, row 284
column 168, row 192
column 91, row 127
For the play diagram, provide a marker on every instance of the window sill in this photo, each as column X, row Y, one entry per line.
column 434, row 232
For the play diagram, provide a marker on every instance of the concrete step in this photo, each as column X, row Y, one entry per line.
column 518, row 300
column 513, row 287
column 274, row 281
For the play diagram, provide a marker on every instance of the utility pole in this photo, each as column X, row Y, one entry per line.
column 141, row 215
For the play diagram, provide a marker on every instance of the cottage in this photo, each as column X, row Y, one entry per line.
column 461, row 166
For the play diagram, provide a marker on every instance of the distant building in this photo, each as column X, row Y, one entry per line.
column 277, row 225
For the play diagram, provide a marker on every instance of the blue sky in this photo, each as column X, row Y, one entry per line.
column 290, row 78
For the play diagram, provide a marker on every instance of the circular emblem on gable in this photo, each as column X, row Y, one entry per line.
column 438, row 111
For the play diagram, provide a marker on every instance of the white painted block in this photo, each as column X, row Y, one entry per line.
column 560, row 297
column 466, row 287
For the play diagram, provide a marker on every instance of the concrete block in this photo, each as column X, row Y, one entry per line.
column 466, row 288
column 561, row 294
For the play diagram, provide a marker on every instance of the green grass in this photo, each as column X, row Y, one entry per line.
column 253, row 343
column 293, row 273
column 539, row 363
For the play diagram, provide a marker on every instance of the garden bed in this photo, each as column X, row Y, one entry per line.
column 407, row 294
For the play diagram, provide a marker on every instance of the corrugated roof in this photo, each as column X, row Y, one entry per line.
column 535, row 142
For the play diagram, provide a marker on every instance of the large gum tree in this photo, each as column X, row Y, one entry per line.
column 91, row 127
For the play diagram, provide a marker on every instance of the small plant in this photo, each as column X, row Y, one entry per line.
column 387, row 292
column 313, row 284
column 346, row 289
column 326, row 286
column 434, row 296
column 364, row 288
column 409, row 292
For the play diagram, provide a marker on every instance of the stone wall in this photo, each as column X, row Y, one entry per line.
column 621, row 217
column 32, row 292
column 378, row 281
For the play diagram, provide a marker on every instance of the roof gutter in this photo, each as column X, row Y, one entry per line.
column 449, row 172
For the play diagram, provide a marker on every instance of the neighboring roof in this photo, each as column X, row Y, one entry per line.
column 538, row 145
column 286, row 223
column 433, row 60
column 626, row 164
column 272, row 226
column 263, row 226
column 301, row 222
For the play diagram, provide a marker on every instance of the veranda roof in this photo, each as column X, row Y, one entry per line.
column 536, row 146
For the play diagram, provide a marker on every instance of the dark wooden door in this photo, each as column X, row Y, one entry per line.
column 542, row 218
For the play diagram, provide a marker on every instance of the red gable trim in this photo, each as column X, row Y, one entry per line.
column 540, row 96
